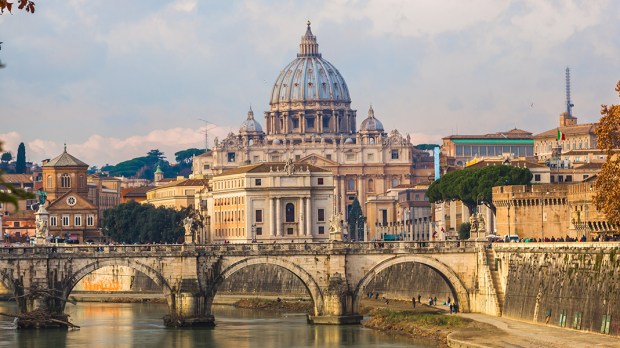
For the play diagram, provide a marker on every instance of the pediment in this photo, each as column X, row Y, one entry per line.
column 317, row 160
column 63, row 202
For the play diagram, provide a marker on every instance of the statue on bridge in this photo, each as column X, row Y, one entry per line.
column 188, row 224
column 41, row 231
column 481, row 223
column 473, row 225
column 335, row 227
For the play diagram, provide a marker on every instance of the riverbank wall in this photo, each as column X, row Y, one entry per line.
column 571, row 285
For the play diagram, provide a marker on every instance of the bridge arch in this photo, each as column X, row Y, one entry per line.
column 301, row 274
column 454, row 282
column 70, row 282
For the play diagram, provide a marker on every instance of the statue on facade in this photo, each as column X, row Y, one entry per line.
column 289, row 167
column 216, row 142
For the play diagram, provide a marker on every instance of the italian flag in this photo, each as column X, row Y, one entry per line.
column 561, row 136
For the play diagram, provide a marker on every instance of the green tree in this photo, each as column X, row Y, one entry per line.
column 355, row 220
column 186, row 156
column 607, row 198
column 9, row 193
column 426, row 146
column 464, row 230
column 475, row 185
column 20, row 164
column 143, row 223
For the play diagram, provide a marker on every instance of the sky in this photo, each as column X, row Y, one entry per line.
column 114, row 79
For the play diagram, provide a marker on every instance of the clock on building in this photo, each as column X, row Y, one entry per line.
column 71, row 200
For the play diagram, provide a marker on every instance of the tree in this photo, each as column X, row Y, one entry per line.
column 5, row 159
column 475, row 185
column 185, row 156
column 464, row 231
column 21, row 5
column 20, row 165
column 9, row 193
column 426, row 146
column 355, row 220
column 143, row 223
column 607, row 198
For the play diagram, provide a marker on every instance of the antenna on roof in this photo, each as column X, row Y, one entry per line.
column 207, row 132
column 569, row 105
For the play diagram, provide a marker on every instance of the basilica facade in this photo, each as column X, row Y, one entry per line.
column 310, row 121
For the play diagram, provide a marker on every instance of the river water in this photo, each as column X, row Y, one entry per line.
column 140, row 325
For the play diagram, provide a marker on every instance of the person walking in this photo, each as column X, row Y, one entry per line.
column 419, row 299
column 413, row 301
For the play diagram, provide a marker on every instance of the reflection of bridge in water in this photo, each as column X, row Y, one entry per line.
column 335, row 274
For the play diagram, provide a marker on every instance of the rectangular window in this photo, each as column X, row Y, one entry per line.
column 258, row 215
column 77, row 220
column 320, row 181
column 552, row 178
column 258, row 182
column 231, row 157
column 297, row 157
column 394, row 154
column 53, row 220
column 483, row 150
column 371, row 157
column 321, row 215
column 560, row 178
column 65, row 220
column 459, row 150
column 537, row 177
column 206, row 166
column 329, row 157
column 474, row 150
column 569, row 178
column 289, row 230
column 275, row 158
column 310, row 122
column 16, row 224
column 467, row 151
column 321, row 229
column 90, row 220
column 295, row 122
column 350, row 157
column 259, row 231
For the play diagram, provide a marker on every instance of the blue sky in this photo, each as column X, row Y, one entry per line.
column 114, row 79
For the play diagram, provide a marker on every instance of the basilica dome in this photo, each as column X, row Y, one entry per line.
column 309, row 78
column 371, row 124
column 250, row 125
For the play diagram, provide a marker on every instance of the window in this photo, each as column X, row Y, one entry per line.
column 65, row 181
column 77, row 220
column 320, row 181
column 321, row 229
column 231, row 157
column 290, row 213
column 259, row 231
column 371, row 157
column 255, row 159
column 394, row 154
column 310, row 122
column 258, row 216
column 49, row 181
column 350, row 185
column 295, row 122
column 53, row 220
column 275, row 158
column 90, row 220
column 459, row 150
column 329, row 157
column 297, row 157
column 326, row 123
column 569, row 178
column 394, row 181
column 321, row 215
column 16, row 224
column 289, row 230
column 537, row 177
column 206, row 166
column 371, row 185
column 65, row 220
column 257, row 182
column 350, row 157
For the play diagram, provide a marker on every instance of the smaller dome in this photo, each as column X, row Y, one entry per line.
column 250, row 125
column 371, row 124
column 277, row 142
column 348, row 141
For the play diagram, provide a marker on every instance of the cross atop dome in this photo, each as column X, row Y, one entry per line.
column 250, row 114
column 308, row 46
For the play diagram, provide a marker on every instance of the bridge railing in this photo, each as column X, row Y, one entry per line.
column 252, row 248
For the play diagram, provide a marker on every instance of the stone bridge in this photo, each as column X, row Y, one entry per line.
column 335, row 274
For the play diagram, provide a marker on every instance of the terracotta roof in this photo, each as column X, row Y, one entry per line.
column 136, row 191
column 267, row 167
column 65, row 160
column 20, row 215
column 184, row 182
column 511, row 134
column 591, row 165
column 583, row 152
column 586, row 128
column 17, row 178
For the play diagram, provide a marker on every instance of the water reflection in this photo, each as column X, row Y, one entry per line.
column 140, row 325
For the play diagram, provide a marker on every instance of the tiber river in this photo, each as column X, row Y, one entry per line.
column 140, row 325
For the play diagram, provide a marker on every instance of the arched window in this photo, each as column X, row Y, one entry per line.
column 371, row 185
column 81, row 183
column 50, row 183
column 65, row 181
column 290, row 212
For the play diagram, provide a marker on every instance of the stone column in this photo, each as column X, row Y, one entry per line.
column 361, row 192
column 301, row 225
column 319, row 122
column 309, row 216
column 272, row 217
column 278, row 217
column 41, row 225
